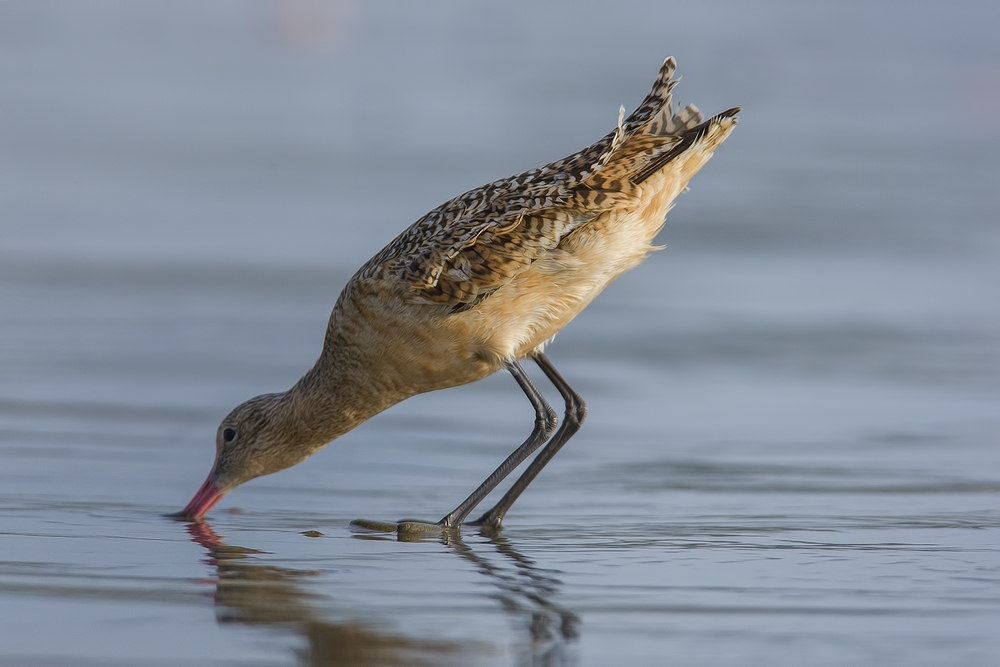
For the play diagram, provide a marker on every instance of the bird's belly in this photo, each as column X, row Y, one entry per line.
column 521, row 316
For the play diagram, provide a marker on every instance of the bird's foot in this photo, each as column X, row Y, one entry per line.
column 375, row 526
column 487, row 523
column 403, row 528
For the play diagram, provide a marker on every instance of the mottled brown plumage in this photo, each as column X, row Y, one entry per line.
column 481, row 281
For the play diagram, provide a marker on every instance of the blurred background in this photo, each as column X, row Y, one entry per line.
column 791, row 448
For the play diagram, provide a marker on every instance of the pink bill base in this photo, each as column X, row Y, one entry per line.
column 206, row 498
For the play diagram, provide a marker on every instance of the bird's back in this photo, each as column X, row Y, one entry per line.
column 498, row 270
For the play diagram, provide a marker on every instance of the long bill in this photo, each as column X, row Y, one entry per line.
column 205, row 499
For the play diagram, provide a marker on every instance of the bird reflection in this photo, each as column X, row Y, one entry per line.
column 252, row 593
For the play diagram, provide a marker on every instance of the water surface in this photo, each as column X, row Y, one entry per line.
column 791, row 454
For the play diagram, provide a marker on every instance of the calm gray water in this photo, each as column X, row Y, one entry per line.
column 792, row 453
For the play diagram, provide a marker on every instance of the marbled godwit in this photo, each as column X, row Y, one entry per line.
column 477, row 284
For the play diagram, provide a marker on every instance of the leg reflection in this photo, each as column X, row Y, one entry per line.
column 526, row 592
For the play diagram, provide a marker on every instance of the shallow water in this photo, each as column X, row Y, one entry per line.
column 791, row 455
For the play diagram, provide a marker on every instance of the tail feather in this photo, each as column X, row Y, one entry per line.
column 724, row 121
column 656, row 114
column 655, row 133
column 667, row 123
column 657, row 99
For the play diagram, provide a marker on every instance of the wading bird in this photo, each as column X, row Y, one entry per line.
column 473, row 287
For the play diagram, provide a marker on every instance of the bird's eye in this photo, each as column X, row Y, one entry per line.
column 228, row 434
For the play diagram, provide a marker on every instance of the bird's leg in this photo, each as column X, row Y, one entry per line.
column 576, row 412
column 545, row 423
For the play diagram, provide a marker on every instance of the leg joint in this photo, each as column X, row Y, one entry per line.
column 547, row 423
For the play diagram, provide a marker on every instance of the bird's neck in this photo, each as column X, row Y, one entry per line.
column 337, row 394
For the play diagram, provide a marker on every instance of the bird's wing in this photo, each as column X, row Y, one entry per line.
column 470, row 246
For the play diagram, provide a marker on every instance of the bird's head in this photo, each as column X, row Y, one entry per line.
column 260, row 436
